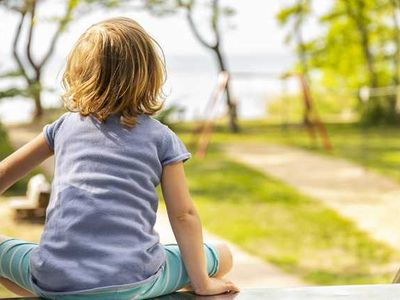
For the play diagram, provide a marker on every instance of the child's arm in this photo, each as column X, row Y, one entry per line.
column 18, row 164
column 187, row 229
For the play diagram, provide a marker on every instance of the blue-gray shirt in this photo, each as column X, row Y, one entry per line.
column 99, row 229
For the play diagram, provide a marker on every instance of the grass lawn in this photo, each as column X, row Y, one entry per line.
column 20, row 230
column 377, row 148
column 7, row 226
column 5, row 150
column 268, row 219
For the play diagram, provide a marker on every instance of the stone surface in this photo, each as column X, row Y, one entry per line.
column 366, row 292
column 360, row 292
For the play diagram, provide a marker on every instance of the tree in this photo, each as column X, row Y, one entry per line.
column 189, row 7
column 215, row 47
column 369, row 20
column 30, row 69
column 296, row 14
column 358, row 46
column 359, row 12
column 395, row 9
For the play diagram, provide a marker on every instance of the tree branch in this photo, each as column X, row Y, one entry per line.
column 349, row 10
column 15, row 47
column 61, row 26
column 395, row 4
column 30, row 35
column 10, row 6
column 192, row 25
column 214, row 22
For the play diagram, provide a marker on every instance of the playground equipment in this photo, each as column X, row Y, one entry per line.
column 315, row 127
column 33, row 207
column 311, row 118
column 203, row 133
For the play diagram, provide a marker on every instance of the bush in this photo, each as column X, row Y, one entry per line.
column 5, row 150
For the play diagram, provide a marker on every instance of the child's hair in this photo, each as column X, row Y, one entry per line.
column 115, row 67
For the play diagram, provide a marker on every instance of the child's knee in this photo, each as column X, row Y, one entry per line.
column 225, row 259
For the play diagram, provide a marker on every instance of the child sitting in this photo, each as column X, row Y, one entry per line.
column 99, row 240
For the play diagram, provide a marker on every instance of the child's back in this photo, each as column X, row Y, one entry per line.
column 99, row 229
column 110, row 156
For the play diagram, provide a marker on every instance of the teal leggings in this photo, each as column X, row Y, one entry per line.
column 14, row 265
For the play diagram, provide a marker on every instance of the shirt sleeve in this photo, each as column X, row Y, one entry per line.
column 50, row 130
column 173, row 149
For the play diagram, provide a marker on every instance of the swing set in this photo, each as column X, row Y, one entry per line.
column 202, row 134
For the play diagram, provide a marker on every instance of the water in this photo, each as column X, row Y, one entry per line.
column 190, row 82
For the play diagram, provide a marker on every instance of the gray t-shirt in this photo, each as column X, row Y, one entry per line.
column 99, row 229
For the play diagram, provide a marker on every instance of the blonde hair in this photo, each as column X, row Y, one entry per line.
column 114, row 68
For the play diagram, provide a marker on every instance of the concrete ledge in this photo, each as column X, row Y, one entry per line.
column 349, row 292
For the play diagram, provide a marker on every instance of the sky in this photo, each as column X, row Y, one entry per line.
column 252, row 32
column 255, row 29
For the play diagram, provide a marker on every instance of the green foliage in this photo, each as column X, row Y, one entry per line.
column 11, row 74
column 167, row 115
column 358, row 46
column 30, row 70
column 12, row 92
column 300, row 7
column 5, row 147
column 104, row 3
column 28, row 91
column 330, row 106
column 5, row 150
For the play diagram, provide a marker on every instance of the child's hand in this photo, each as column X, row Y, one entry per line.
column 216, row 286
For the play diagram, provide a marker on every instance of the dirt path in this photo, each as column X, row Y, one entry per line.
column 371, row 201
column 249, row 271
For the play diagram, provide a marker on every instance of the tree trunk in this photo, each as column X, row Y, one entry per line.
column 396, row 39
column 359, row 19
column 302, row 56
column 37, row 95
column 232, row 106
column 375, row 111
column 38, row 105
column 365, row 44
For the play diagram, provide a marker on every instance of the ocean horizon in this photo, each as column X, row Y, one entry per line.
column 190, row 82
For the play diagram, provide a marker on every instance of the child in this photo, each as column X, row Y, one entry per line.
column 110, row 155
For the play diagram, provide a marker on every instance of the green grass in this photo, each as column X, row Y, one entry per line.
column 18, row 188
column 5, row 146
column 5, row 150
column 268, row 219
column 377, row 148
